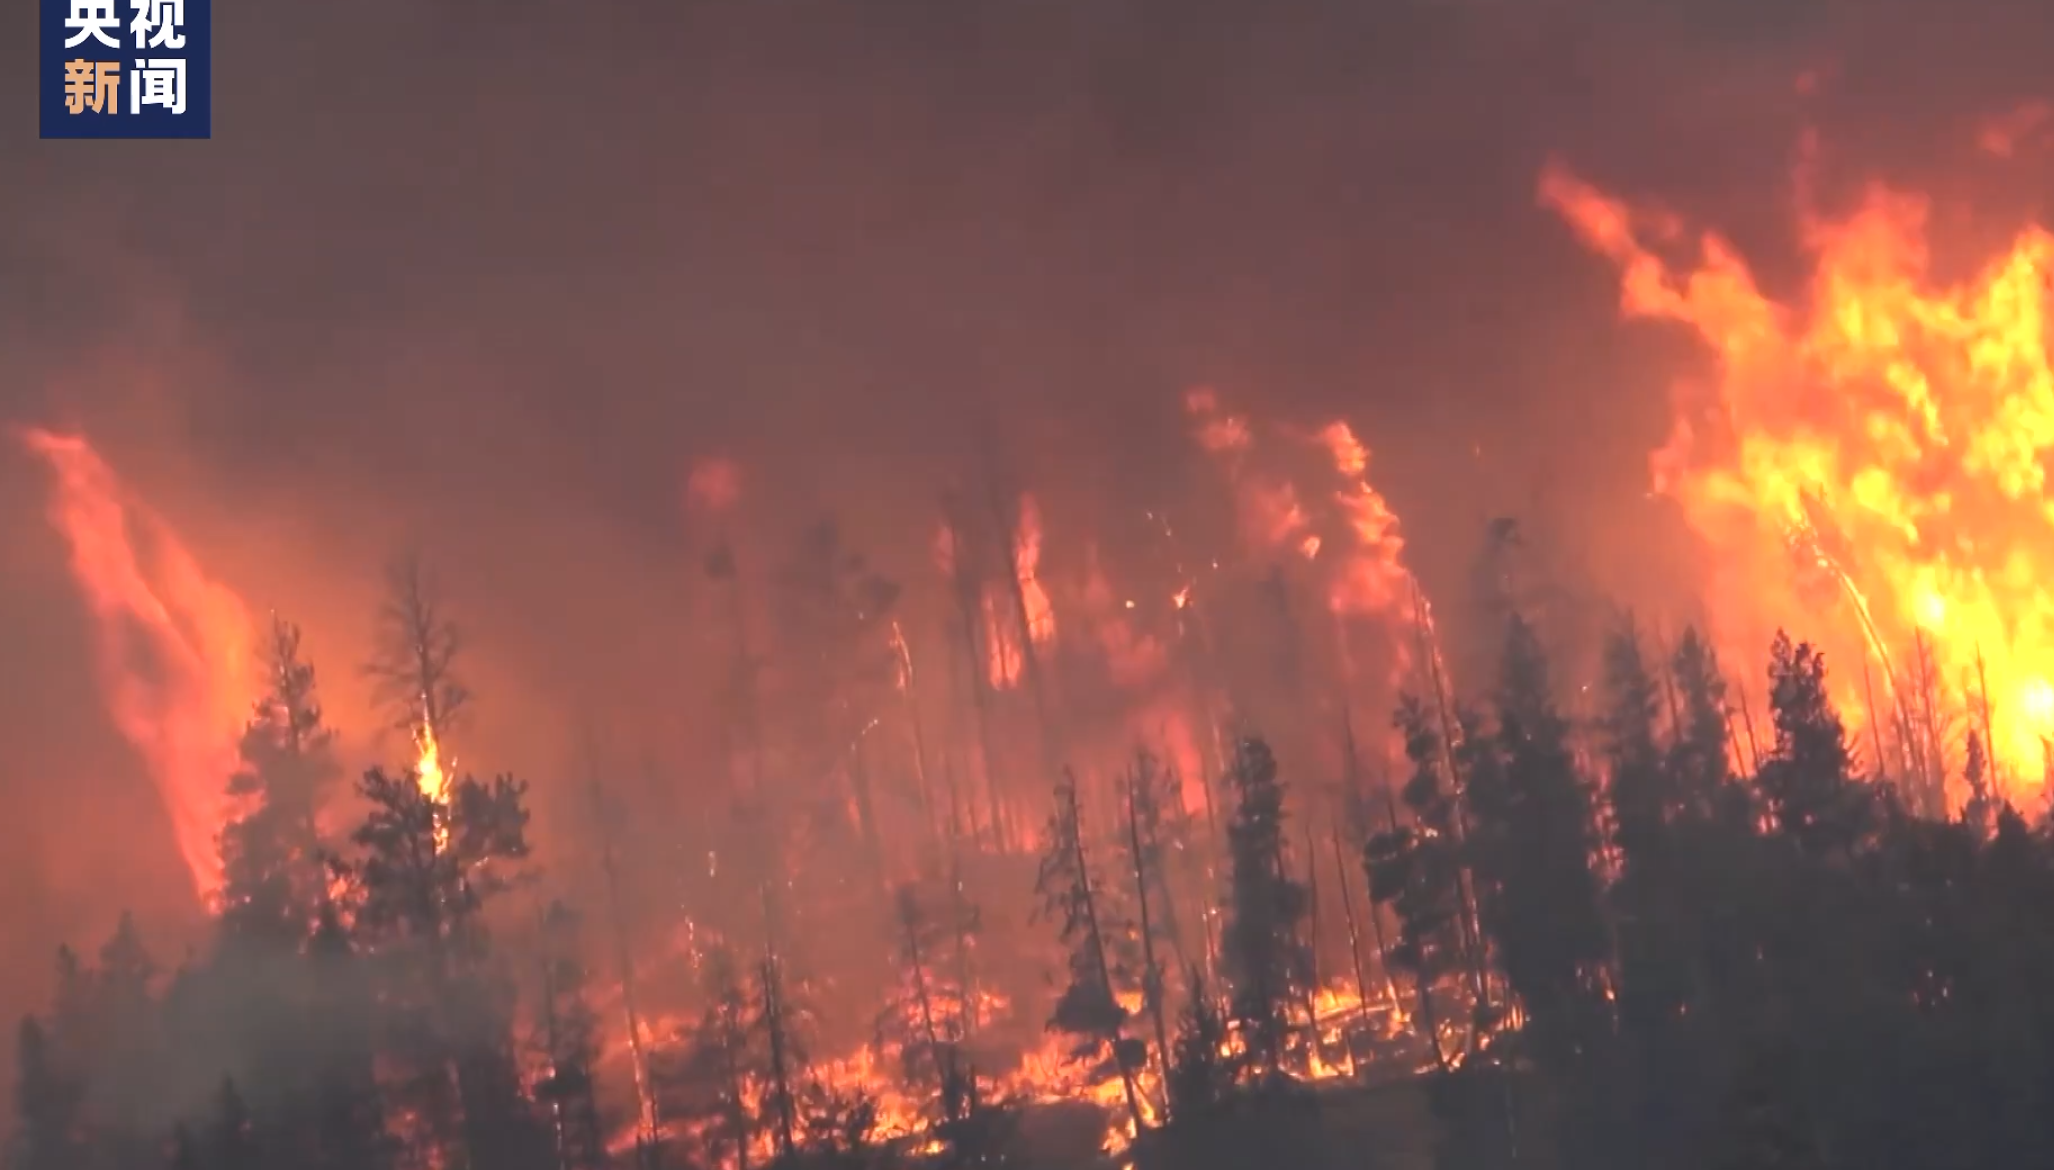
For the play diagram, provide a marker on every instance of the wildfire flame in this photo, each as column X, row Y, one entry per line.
column 1893, row 431
column 1350, row 531
column 428, row 766
column 1006, row 657
column 175, row 647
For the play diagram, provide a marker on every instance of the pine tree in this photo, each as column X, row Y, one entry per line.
column 1089, row 1008
column 47, row 1099
column 272, row 867
column 1651, row 798
column 1199, row 1081
column 835, row 625
column 1809, row 781
column 1641, row 801
column 414, row 668
column 705, row 1081
column 1699, row 758
column 1416, row 869
column 232, row 1143
column 779, row 1022
column 185, row 1150
column 426, row 870
column 1979, row 812
column 128, row 1057
column 570, row 1045
column 348, row 1125
column 1149, row 791
column 924, row 1015
column 1535, row 860
column 1263, row 947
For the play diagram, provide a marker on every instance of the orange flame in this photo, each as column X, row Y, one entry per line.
column 1268, row 510
column 1374, row 578
column 428, row 766
column 1006, row 655
column 175, row 648
column 1894, row 432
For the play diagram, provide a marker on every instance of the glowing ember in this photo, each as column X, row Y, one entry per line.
column 175, row 655
column 1892, row 431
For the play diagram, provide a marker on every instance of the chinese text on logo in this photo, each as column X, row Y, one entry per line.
column 127, row 68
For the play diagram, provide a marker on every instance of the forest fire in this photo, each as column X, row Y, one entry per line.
column 1874, row 460
column 176, row 654
column 1058, row 888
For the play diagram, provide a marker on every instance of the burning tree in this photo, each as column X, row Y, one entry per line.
column 282, row 986
column 1150, row 792
column 1089, row 1008
column 568, row 1038
column 1199, row 1078
column 707, row 1080
column 836, row 621
column 427, row 867
column 1263, row 947
column 926, row 1016
column 1416, row 869
column 413, row 669
column 779, row 1023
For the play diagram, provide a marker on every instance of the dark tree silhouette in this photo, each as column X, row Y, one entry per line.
column 924, row 1015
column 1089, row 1008
column 1416, row 869
column 1809, row 780
column 274, row 878
column 48, row 1133
column 705, row 1080
column 1534, row 847
column 569, row 1042
column 1262, row 948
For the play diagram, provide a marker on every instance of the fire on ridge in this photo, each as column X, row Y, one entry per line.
column 1872, row 461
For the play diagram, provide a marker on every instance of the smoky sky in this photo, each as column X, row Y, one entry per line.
column 491, row 276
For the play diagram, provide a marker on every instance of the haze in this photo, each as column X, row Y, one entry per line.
column 490, row 280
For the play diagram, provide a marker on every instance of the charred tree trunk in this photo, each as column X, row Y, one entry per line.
column 1030, row 662
column 1152, row 974
column 1422, row 983
column 1312, row 984
column 1354, row 932
column 1096, row 941
column 969, row 594
column 1473, row 943
column 941, row 1055
column 777, row 1035
column 914, row 725
column 649, row 1126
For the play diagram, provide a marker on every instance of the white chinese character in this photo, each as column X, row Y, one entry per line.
column 159, row 81
column 165, row 16
column 92, row 18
